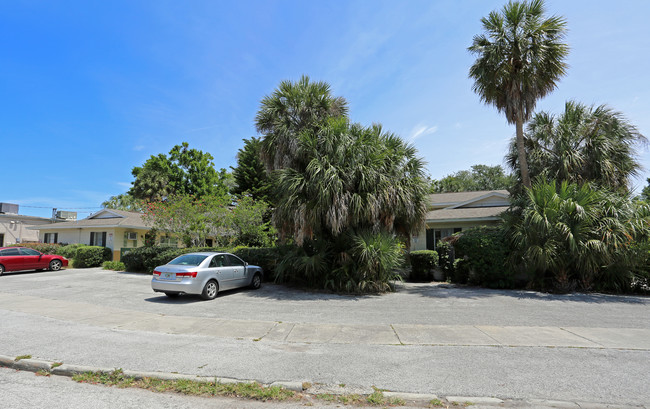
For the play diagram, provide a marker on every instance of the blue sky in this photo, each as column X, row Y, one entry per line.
column 91, row 89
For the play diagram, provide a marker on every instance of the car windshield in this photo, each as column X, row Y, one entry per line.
column 188, row 260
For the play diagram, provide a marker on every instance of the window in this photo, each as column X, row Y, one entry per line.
column 29, row 252
column 218, row 261
column 51, row 238
column 9, row 252
column 98, row 239
column 434, row 235
column 167, row 241
column 234, row 261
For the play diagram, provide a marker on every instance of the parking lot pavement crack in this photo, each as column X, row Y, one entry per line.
column 489, row 336
column 580, row 336
column 396, row 334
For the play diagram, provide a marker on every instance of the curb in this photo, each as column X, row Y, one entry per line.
column 68, row 370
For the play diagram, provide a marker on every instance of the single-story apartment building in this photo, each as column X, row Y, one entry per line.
column 115, row 229
column 450, row 213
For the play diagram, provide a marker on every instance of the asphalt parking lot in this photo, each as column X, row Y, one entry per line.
column 427, row 338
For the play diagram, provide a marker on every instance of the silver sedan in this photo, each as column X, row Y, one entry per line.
column 205, row 273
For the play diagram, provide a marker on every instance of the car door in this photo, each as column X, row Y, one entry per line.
column 11, row 259
column 238, row 269
column 218, row 268
column 32, row 259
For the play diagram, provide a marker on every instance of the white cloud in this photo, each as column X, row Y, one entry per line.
column 124, row 184
column 138, row 148
column 422, row 130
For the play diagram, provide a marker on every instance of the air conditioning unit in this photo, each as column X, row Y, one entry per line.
column 131, row 235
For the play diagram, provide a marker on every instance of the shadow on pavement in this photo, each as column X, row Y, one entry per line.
column 438, row 290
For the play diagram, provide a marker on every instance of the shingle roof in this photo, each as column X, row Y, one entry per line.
column 124, row 219
column 460, row 197
column 465, row 213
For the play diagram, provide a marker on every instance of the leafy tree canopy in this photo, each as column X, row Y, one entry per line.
column 645, row 193
column 123, row 202
column 250, row 175
column 184, row 171
column 479, row 177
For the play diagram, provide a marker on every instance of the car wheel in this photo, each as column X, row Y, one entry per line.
column 55, row 265
column 257, row 281
column 210, row 290
column 172, row 295
column 2, row 269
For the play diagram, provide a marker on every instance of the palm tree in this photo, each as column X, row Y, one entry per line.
column 355, row 177
column 520, row 60
column 583, row 144
column 294, row 107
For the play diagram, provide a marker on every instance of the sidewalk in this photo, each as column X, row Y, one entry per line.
column 324, row 333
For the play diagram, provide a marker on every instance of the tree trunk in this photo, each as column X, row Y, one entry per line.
column 523, row 163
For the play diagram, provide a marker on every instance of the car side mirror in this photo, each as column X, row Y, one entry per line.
column 245, row 264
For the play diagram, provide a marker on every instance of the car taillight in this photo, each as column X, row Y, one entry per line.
column 192, row 274
column 156, row 273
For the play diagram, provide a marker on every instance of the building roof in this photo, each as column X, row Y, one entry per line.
column 449, row 199
column 466, row 214
column 108, row 218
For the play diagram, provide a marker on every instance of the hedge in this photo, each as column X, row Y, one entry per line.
column 145, row 259
column 422, row 264
column 45, row 248
column 92, row 256
column 70, row 250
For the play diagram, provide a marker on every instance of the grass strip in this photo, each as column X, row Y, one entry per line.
column 189, row 387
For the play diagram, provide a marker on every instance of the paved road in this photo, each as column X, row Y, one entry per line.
column 424, row 338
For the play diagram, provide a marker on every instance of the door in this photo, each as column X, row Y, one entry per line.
column 219, row 268
column 11, row 259
column 238, row 269
column 33, row 259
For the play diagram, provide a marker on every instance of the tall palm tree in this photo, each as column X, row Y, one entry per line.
column 520, row 59
column 294, row 107
column 583, row 144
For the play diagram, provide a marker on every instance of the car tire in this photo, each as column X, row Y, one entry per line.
column 55, row 265
column 2, row 269
column 256, row 282
column 210, row 290
column 172, row 294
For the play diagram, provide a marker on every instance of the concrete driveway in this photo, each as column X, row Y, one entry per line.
column 425, row 338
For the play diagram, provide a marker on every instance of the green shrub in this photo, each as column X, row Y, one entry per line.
column 70, row 250
column 45, row 248
column 460, row 271
column 92, row 256
column 485, row 252
column 265, row 257
column 422, row 264
column 445, row 257
column 113, row 265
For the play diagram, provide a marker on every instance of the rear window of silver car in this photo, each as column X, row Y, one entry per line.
column 188, row 260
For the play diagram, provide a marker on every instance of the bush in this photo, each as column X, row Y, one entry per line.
column 70, row 251
column 422, row 264
column 45, row 248
column 265, row 257
column 139, row 259
column 113, row 265
column 92, row 256
column 485, row 251
column 445, row 257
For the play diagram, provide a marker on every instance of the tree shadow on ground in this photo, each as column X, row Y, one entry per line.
column 444, row 290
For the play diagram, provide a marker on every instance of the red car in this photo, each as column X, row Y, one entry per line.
column 22, row 258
